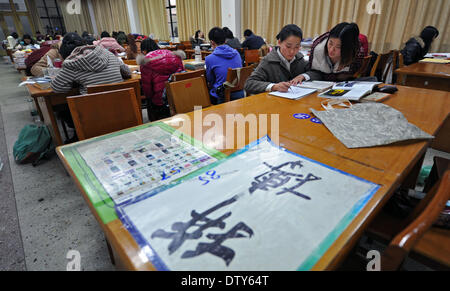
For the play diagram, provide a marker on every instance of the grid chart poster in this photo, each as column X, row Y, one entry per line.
column 263, row 208
column 121, row 166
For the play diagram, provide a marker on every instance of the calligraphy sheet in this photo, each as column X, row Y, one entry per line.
column 137, row 162
column 263, row 208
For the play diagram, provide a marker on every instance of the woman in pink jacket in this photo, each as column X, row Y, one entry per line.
column 109, row 43
column 156, row 67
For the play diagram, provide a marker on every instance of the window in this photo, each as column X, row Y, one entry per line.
column 51, row 17
column 171, row 7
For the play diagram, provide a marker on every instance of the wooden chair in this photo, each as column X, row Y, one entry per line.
column 205, row 54
column 132, row 83
column 236, row 79
column 414, row 234
column 382, row 67
column 184, row 95
column 362, row 72
column 187, row 44
column 130, row 62
column 189, row 75
column 251, row 57
column 102, row 113
column 401, row 64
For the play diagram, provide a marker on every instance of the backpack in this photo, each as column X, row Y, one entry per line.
column 33, row 144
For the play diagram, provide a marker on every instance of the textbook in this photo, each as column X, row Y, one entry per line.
column 435, row 61
column 318, row 85
column 194, row 65
column 375, row 97
column 294, row 93
column 350, row 90
column 39, row 82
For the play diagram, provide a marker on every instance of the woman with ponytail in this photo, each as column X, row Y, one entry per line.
column 417, row 47
column 336, row 54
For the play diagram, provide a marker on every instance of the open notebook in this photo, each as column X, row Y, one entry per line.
column 294, row 93
column 350, row 90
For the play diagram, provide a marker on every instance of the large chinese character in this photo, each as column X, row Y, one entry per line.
column 279, row 176
column 202, row 222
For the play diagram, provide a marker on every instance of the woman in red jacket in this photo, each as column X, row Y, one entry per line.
column 156, row 67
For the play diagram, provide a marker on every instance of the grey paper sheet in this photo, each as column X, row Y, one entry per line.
column 369, row 124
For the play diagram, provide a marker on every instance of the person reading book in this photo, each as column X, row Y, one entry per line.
column 337, row 55
column 281, row 65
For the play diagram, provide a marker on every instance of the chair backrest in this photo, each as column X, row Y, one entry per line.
column 102, row 113
column 184, row 95
column 251, row 56
column 130, row 62
column 264, row 50
column 232, row 78
column 401, row 64
column 383, row 66
column 362, row 72
column 132, row 83
column 189, row 75
column 430, row 208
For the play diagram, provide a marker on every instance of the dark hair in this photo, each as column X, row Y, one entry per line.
column 149, row 45
column 248, row 32
column 15, row 35
column 427, row 35
column 217, row 35
column 27, row 36
column 105, row 34
column 228, row 33
column 197, row 34
column 88, row 40
column 70, row 41
column 132, row 44
column 85, row 33
column 114, row 34
column 289, row 30
column 348, row 33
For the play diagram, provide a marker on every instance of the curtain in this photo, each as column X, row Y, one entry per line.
column 76, row 22
column 111, row 15
column 153, row 18
column 399, row 19
column 197, row 14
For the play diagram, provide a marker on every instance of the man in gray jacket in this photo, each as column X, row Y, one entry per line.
column 281, row 65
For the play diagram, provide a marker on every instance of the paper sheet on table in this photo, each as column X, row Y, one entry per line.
column 261, row 209
column 294, row 93
column 134, row 163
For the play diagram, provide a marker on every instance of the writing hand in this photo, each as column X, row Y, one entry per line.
column 297, row 80
column 281, row 87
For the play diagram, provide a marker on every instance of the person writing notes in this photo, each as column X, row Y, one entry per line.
column 336, row 54
column 281, row 65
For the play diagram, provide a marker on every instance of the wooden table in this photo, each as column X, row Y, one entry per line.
column 430, row 76
column 426, row 75
column 387, row 166
column 46, row 100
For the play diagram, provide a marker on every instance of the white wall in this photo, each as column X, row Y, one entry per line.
column 231, row 16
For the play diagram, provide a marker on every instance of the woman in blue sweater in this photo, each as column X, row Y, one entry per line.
column 217, row 65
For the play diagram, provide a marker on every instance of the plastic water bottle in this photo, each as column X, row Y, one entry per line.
column 198, row 54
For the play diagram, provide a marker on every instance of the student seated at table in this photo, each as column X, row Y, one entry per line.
column 231, row 40
column 417, row 47
column 281, row 65
column 156, row 67
column 252, row 41
column 336, row 54
column 26, row 41
column 35, row 56
column 87, row 65
column 53, row 53
column 217, row 64
column 109, row 43
column 197, row 39
column 132, row 49
column 364, row 44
